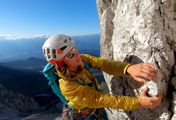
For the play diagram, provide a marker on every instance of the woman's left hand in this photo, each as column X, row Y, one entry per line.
column 142, row 72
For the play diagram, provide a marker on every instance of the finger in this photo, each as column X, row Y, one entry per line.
column 146, row 76
column 149, row 65
column 155, row 105
column 150, row 73
column 149, row 69
column 159, row 96
column 141, row 80
column 155, row 99
column 150, row 105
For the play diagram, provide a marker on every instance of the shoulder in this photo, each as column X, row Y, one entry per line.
column 87, row 57
column 63, row 82
column 67, row 85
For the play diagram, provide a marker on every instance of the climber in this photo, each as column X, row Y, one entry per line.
column 80, row 87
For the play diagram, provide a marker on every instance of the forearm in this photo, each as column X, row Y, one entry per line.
column 90, row 98
column 110, row 101
column 116, row 68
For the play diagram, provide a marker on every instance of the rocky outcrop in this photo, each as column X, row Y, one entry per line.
column 138, row 31
column 16, row 101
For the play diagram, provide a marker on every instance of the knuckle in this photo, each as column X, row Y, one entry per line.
column 148, row 75
column 150, row 105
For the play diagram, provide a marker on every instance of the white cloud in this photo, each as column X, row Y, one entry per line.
column 15, row 37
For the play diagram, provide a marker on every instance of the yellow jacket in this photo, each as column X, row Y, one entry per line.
column 82, row 96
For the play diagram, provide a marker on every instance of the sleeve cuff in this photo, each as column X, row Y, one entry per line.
column 125, row 69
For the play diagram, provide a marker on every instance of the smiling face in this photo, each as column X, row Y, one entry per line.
column 73, row 60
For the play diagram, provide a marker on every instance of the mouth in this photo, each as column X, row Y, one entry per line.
column 79, row 68
column 74, row 73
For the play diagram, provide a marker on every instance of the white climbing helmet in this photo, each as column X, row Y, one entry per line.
column 56, row 47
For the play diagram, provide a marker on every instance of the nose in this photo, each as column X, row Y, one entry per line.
column 77, row 58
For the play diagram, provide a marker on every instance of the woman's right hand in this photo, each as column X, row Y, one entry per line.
column 149, row 102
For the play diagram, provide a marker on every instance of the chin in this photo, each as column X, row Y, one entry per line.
column 79, row 68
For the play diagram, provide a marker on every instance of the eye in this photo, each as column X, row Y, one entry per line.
column 70, row 56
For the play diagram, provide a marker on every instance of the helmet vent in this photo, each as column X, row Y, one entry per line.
column 63, row 48
column 47, row 50
column 65, row 41
column 54, row 53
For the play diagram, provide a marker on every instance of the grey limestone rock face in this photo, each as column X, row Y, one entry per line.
column 140, row 31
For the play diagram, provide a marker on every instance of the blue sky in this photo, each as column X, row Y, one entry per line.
column 32, row 17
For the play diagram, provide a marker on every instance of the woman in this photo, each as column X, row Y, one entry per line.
column 80, row 87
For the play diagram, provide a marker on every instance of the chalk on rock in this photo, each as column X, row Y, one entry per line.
column 152, row 86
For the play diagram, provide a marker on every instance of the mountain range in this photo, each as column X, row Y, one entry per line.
column 19, row 49
column 20, row 68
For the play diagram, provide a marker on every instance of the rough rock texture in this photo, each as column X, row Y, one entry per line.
column 17, row 101
column 138, row 31
column 174, row 105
